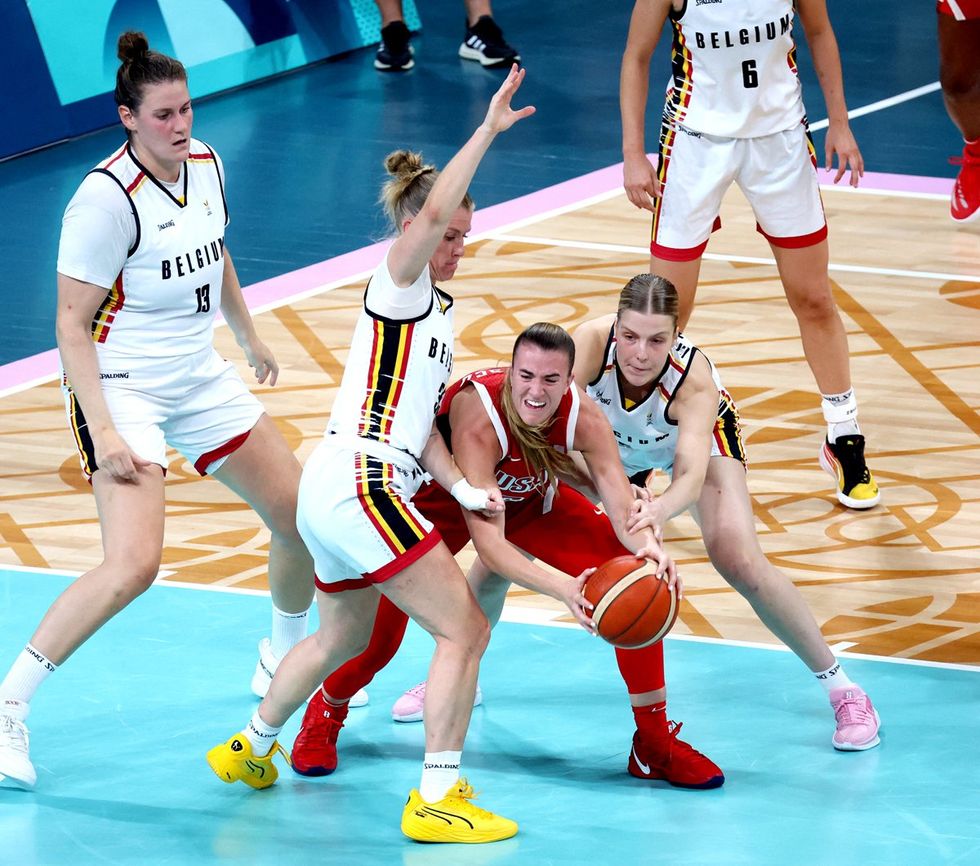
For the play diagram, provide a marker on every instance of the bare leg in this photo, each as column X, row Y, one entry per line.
column 391, row 10
column 435, row 594
column 346, row 619
column 131, row 519
column 959, row 73
column 807, row 286
column 684, row 276
column 724, row 512
column 476, row 9
column 265, row 473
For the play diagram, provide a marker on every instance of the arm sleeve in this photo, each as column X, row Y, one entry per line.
column 97, row 232
column 385, row 299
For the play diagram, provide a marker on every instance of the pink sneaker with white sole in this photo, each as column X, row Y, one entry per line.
column 857, row 719
column 409, row 707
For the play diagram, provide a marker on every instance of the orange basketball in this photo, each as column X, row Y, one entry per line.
column 633, row 608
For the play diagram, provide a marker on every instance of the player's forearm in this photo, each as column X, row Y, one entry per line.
column 233, row 306
column 438, row 462
column 826, row 63
column 81, row 365
column 633, row 92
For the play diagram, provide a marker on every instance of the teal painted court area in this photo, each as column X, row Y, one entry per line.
column 119, row 736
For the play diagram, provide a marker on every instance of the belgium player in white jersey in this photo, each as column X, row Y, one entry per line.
column 734, row 114
column 669, row 411
column 356, row 509
column 142, row 272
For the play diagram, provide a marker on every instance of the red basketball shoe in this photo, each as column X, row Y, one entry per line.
column 964, row 204
column 668, row 758
column 315, row 749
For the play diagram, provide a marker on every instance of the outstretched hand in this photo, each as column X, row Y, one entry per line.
column 500, row 115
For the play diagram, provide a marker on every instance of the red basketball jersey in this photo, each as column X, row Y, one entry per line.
column 517, row 481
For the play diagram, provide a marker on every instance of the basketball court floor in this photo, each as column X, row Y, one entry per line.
column 119, row 735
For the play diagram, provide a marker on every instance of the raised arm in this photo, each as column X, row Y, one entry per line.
column 639, row 175
column 826, row 61
column 414, row 247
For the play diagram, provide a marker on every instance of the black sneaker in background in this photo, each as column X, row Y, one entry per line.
column 394, row 51
column 485, row 43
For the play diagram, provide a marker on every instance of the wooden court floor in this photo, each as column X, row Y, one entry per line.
column 901, row 580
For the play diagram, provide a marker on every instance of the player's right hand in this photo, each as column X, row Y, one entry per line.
column 114, row 457
column 640, row 181
column 574, row 599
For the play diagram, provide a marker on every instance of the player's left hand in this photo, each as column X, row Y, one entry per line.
column 666, row 567
column 840, row 140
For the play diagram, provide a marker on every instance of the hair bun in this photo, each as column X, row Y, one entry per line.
column 132, row 46
column 405, row 163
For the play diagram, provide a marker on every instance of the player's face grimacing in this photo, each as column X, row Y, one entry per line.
column 643, row 341
column 444, row 261
column 539, row 379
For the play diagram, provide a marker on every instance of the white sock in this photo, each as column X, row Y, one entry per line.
column 833, row 678
column 260, row 735
column 288, row 629
column 840, row 412
column 440, row 771
column 29, row 670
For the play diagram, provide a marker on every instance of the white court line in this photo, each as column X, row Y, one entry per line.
column 882, row 104
column 751, row 260
column 534, row 616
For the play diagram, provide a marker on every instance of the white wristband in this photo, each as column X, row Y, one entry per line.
column 470, row 497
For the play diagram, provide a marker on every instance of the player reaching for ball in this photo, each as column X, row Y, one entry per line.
column 669, row 411
column 513, row 428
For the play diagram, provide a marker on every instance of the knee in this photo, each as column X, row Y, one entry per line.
column 741, row 571
column 815, row 304
column 473, row 636
column 132, row 574
column 959, row 83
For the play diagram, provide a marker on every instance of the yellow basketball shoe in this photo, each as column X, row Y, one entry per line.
column 234, row 762
column 454, row 818
column 843, row 460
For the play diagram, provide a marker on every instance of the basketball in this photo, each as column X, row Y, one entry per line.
column 633, row 608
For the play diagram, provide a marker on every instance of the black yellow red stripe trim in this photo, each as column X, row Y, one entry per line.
column 390, row 350
column 394, row 522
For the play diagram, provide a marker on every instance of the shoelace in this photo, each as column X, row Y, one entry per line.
column 464, row 791
column 278, row 748
column 13, row 733
column 852, row 711
column 417, row 691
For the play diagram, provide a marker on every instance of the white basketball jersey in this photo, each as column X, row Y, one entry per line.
column 734, row 68
column 647, row 438
column 396, row 375
column 163, row 303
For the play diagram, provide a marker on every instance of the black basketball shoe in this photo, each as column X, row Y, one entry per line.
column 394, row 50
column 485, row 43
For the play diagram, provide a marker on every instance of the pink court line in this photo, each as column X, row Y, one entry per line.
column 279, row 290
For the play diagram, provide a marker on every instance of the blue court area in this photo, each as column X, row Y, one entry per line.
column 119, row 737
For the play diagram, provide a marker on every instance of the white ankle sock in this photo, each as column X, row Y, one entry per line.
column 260, row 735
column 440, row 771
column 840, row 413
column 29, row 670
column 833, row 678
column 288, row 629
